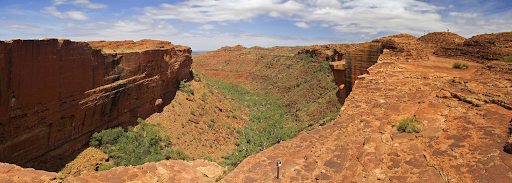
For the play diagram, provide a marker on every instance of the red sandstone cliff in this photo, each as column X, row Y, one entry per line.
column 465, row 115
column 55, row 93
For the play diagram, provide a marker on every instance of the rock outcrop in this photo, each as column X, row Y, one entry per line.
column 464, row 114
column 16, row 174
column 163, row 171
column 56, row 93
column 480, row 48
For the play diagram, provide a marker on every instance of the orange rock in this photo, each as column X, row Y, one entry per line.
column 56, row 93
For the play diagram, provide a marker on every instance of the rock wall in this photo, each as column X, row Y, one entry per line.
column 346, row 67
column 358, row 62
column 465, row 117
column 56, row 93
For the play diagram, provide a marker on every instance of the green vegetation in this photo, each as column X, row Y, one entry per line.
column 185, row 87
column 507, row 58
column 138, row 145
column 290, row 94
column 266, row 122
column 409, row 125
column 204, row 95
column 193, row 112
column 458, row 65
column 105, row 167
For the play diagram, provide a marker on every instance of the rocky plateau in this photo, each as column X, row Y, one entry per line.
column 465, row 114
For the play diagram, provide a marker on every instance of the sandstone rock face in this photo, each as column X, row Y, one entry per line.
column 323, row 52
column 358, row 61
column 163, row 171
column 465, row 120
column 16, row 174
column 56, row 93
column 481, row 48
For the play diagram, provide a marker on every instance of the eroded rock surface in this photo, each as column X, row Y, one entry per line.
column 465, row 120
column 464, row 114
column 15, row 174
column 56, row 93
column 163, row 171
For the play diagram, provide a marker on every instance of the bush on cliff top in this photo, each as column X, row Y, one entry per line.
column 138, row 145
column 507, row 58
column 409, row 125
column 458, row 65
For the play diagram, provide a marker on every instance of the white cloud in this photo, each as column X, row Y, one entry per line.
column 328, row 4
column 361, row 19
column 77, row 15
column 57, row 2
column 22, row 26
column 274, row 14
column 206, row 27
column 121, row 30
column 303, row 25
column 369, row 16
column 467, row 15
column 88, row 4
column 202, row 11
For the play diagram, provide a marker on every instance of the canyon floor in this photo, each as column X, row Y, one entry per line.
column 465, row 117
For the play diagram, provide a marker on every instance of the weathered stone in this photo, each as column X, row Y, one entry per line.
column 56, row 93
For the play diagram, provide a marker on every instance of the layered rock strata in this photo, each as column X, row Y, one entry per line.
column 56, row 93
column 480, row 48
column 465, row 120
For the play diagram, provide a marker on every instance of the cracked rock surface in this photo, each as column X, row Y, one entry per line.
column 465, row 119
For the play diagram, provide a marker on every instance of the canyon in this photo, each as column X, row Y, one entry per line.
column 465, row 114
column 56, row 93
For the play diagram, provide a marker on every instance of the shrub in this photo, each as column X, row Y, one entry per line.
column 178, row 154
column 458, row 65
column 105, row 167
column 210, row 125
column 204, row 95
column 207, row 158
column 266, row 123
column 185, row 87
column 507, row 58
column 409, row 125
column 193, row 112
column 138, row 145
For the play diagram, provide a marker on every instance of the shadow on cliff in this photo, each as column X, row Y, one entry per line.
column 54, row 94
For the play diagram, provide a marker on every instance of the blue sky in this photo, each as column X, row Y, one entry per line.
column 211, row 24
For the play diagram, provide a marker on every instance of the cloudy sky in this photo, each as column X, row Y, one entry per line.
column 211, row 24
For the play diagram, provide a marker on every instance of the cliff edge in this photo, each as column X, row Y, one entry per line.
column 465, row 116
column 55, row 93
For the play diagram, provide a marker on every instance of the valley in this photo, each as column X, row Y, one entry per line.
column 329, row 113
